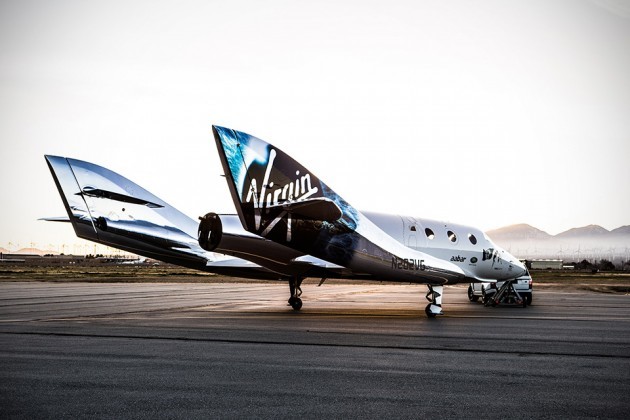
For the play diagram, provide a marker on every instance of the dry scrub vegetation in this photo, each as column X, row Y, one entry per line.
column 607, row 282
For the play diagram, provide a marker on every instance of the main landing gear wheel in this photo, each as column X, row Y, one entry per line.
column 434, row 295
column 296, row 292
column 471, row 295
column 295, row 302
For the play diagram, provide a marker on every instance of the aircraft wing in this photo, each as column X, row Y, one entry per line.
column 109, row 209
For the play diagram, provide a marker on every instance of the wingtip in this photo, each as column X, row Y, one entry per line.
column 52, row 158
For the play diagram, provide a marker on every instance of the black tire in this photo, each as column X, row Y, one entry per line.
column 427, row 310
column 471, row 295
column 528, row 298
column 296, row 303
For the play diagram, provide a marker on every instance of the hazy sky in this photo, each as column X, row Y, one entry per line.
column 487, row 113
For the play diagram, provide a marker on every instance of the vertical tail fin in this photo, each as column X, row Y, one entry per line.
column 277, row 197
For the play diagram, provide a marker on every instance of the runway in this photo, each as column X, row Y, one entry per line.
column 237, row 350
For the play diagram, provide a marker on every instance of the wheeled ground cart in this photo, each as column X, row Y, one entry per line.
column 505, row 295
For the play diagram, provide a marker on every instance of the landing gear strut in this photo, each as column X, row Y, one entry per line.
column 434, row 295
column 296, row 292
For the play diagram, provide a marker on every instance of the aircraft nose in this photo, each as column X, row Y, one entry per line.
column 519, row 268
column 516, row 268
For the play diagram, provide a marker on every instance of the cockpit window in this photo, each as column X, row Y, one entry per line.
column 429, row 233
column 451, row 236
column 472, row 239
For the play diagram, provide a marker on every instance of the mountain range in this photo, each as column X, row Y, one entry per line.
column 591, row 242
column 28, row 251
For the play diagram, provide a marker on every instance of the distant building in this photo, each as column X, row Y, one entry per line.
column 545, row 264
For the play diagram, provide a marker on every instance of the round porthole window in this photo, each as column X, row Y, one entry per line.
column 472, row 239
column 451, row 236
column 429, row 233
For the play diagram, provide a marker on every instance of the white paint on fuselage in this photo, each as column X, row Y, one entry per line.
column 471, row 250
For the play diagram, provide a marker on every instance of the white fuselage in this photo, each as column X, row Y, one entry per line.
column 467, row 247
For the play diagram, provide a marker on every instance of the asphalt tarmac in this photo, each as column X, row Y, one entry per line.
column 72, row 350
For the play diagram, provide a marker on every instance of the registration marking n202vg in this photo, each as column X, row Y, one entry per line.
column 408, row 264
